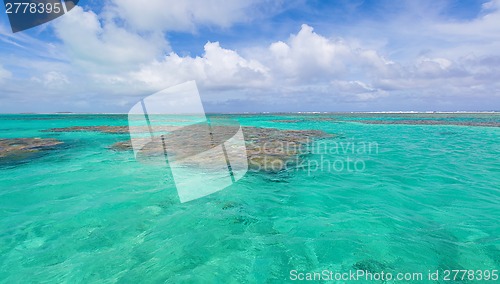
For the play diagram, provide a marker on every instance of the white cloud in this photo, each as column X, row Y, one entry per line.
column 309, row 54
column 283, row 67
column 356, row 90
column 4, row 74
column 53, row 80
column 217, row 68
column 123, row 52
column 102, row 45
column 186, row 15
column 485, row 27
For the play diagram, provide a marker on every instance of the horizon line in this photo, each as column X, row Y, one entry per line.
column 276, row 112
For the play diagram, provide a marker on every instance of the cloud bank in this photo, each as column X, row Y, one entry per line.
column 106, row 61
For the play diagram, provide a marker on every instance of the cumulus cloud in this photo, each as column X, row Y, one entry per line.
column 123, row 52
column 284, row 67
column 485, row 27
column 102, row 44
column 217, row 68
column 186, row 15
column 309, row 54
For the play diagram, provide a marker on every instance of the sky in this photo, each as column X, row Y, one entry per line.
column 258, row 56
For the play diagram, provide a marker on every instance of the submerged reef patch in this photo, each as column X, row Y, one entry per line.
column 433, row 122
column 107, row 129
column 22, row 148
column 267, row 149
column 305, row 119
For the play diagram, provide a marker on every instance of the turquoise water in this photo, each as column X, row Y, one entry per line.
column 427, row 197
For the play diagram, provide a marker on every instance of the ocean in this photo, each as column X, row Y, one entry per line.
column 399, row 193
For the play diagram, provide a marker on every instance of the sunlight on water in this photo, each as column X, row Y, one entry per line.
column 425, row 198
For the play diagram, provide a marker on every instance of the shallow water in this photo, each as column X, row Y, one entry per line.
column 424, row 197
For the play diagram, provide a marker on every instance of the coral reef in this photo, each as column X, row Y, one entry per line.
column 20, row 148
column 267, row 149
column 432, row 122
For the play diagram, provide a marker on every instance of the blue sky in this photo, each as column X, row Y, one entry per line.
column 258, row 55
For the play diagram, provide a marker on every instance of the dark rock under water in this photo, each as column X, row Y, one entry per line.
column 433, row 122
column 267, row 149
column 103, row 129
column 21, row 148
